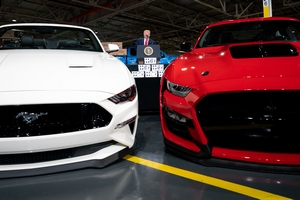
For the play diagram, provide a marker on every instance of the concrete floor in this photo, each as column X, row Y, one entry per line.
column 150, row 173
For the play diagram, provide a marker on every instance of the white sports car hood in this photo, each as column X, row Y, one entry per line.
column 61, row 70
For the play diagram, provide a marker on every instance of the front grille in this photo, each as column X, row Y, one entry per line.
column 26, row 158
column 46, row 119
column 259, row 121
column 35, row 157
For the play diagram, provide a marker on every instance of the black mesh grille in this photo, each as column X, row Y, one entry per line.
column 46, row 119
column 262, row 121
column 27, row 158
column 35, row 157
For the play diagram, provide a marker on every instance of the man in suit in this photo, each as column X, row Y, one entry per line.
column 146, row 39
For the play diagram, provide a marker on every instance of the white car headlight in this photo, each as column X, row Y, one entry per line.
column 178, row 90
column 126, row 95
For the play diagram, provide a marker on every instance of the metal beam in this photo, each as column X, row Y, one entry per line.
column 290, row 3
column 119, row 11
column 212, row 7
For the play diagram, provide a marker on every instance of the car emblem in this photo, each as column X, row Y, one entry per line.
column 205, row 73
column 29, row 117
column 270, row 108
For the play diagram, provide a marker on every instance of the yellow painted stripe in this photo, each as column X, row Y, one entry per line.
column 244, row 190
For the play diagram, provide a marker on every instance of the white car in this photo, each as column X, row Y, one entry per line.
column 65, row 102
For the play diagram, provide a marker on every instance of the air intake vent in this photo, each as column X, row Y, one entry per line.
column 259, row 121
column 263, row 50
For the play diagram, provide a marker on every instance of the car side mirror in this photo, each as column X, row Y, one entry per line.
column 112, row 48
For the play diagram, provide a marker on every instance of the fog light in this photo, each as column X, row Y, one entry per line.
column 178, row 118
column 129, row 121
column 175, row 116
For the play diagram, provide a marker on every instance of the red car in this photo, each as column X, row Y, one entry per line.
column 234, row 99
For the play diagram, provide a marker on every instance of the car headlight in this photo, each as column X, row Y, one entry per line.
column 126, row 95
column 178, row 90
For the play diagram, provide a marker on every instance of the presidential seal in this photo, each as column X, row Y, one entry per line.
column 148, row 51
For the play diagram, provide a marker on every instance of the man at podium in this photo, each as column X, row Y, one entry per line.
column 146, row 48
column 146, row 39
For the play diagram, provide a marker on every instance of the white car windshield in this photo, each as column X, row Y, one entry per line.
column 280, row 30
column 48, row 37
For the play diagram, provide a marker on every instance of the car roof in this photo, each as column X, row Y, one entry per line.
column 44, row 24
column 234, row 21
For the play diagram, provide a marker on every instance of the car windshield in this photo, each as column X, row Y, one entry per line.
column 250, row 32
column 48, row 37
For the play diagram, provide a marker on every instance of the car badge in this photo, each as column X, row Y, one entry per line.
column 205, row 73
column 29, row 117
column 148, row 51
column 270, row 108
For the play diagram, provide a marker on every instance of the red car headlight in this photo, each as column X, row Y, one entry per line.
column 126, row 95
column 178, row 90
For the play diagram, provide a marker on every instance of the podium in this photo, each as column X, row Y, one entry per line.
column 148, row 54
column 147, row 72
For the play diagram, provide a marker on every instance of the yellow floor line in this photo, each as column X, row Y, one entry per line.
column 244, row 190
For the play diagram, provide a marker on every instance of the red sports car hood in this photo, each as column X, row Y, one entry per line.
column 237, row 61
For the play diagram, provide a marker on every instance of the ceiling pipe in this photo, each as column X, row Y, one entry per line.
column 103, row 6
column 82, row 15
column 290, row 3
column 120, row 11
column 91, row 11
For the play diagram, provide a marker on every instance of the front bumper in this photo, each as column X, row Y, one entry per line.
column 60, row 149
column 212, row 161
column 211, row 139
column 99, row 159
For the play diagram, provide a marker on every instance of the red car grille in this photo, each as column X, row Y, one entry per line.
column 46, row 119
column 259, row 121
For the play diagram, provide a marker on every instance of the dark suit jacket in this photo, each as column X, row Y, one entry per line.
column 140, row 41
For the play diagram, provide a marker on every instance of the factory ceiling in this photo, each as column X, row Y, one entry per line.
column 170, row 21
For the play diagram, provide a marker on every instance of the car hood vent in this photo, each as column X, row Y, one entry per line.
column 263, row 50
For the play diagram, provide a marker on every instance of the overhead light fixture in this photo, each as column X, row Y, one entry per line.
column 14, row 20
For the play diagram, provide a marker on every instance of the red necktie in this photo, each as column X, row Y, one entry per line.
column 146, row 42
